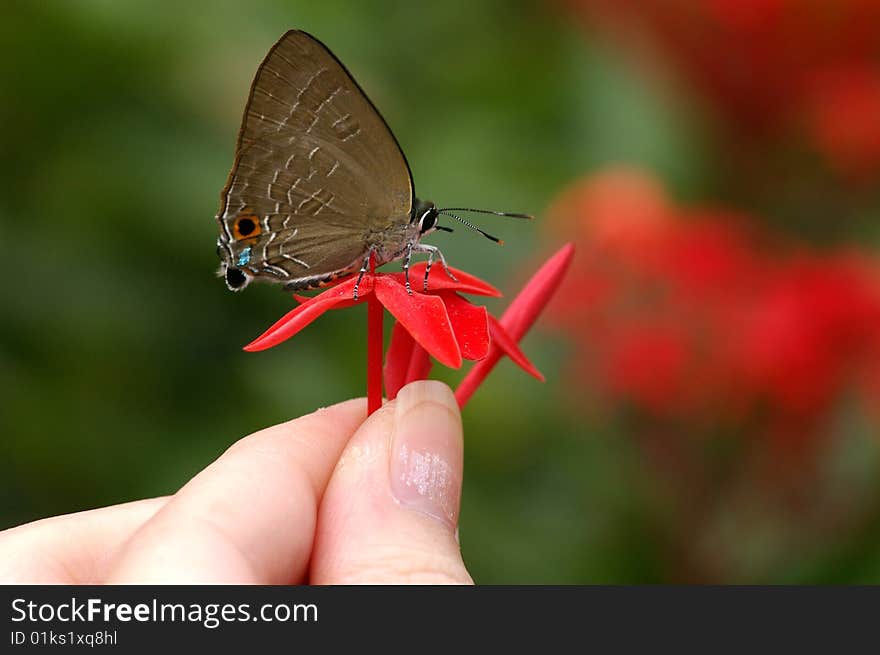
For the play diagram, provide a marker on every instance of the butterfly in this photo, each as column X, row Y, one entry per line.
column 319, row 184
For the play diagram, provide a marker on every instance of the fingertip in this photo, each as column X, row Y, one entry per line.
column 391, row 508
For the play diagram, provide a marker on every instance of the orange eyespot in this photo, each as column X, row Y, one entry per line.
column 246, row 226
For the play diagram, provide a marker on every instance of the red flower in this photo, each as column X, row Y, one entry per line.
column 425, row 316
column 439, row 323
column 407, row 361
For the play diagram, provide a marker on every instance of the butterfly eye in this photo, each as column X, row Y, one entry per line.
column 429, row 218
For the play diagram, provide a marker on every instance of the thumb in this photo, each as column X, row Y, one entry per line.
column 390, row 511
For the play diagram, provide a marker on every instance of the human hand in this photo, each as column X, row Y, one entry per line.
column 328, row 498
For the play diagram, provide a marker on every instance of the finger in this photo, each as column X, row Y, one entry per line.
column 390, row 511
column 71, row 549
column 249, row 518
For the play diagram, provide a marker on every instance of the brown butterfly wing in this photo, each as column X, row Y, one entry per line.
column 316, row 170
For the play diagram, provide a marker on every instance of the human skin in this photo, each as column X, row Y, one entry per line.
column 328, row 498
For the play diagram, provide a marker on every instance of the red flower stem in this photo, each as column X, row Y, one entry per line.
column 375, row 314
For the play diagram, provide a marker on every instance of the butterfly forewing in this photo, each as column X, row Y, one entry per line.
column 316, row 170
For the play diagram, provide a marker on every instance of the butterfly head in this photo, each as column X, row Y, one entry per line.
column 425, row 215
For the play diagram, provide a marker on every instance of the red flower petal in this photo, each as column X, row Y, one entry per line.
column 424, row 316
column 519, row 316
column 405, row 361
column 470, row 324
column 419, row 365
column 438, row 280
column 508, row 346
column 299, row 317
column 529, row 302
column 397, row 359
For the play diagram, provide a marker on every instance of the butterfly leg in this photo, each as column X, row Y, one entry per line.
column 428, row 268
column 432, row 251
column 409, row 252
column 364, row 268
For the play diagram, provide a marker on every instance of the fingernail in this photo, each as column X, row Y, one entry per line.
column 426, row 451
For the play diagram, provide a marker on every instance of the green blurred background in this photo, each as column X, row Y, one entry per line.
column 121, row 367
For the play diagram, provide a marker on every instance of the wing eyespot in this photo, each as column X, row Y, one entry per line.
column 246, row 226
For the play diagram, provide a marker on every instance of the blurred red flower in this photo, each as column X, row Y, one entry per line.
column 810, row 330
column 694, row 315
column 844, row 117
column 770, row 67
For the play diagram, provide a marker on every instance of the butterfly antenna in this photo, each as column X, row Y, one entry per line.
column 472, row 226
column 487, row 211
